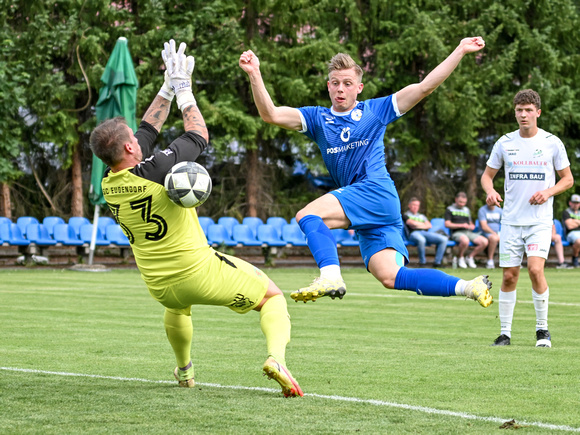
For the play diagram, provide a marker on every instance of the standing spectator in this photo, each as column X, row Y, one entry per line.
column 571, row 219
column 458, row 220
column 530, row 157
column 418, row 227
column 489, row 217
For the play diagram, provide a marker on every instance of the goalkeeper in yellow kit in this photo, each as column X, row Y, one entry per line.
column 170, row 248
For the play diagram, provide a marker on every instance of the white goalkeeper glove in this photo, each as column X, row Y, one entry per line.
column 166, row 91
column 179, row 70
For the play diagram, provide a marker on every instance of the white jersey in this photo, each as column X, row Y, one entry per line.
column 530, row 165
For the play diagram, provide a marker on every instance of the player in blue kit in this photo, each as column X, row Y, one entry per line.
column 350, row 137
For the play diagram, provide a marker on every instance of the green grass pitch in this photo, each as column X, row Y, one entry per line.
column 86, row 353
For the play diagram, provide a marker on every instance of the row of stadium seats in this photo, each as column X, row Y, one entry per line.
column 253, row 231
column 53, row 230
column 228, row 231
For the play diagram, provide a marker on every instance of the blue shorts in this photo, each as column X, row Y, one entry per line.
column 374, row 211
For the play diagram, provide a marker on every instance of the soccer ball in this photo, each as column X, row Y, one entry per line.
column 188, row 184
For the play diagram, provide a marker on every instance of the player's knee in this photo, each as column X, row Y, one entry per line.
column 510, row 278
column 535, row 270
column 388, row 282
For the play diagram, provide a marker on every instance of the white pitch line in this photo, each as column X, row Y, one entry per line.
column 423, row 409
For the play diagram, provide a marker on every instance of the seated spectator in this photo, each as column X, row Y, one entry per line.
column 571, row 219
column 417, row 226
column 559, row 248
column 489, row 222
column 458, row 220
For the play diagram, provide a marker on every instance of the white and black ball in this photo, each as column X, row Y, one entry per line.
column 188, row 184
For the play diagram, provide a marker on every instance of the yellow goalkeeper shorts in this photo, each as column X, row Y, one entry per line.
column 224, row 280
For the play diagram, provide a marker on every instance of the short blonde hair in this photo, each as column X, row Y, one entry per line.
column 342, row 61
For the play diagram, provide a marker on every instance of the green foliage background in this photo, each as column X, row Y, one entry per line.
column 439, row 147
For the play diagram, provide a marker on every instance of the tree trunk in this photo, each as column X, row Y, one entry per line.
column 253, row 178
column 472, row 181
column 5, row 204
column 77, row 184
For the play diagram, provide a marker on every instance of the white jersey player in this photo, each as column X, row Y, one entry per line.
column 531, row 157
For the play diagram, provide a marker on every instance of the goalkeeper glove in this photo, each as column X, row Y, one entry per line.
column 166, row 91
column 179, row 70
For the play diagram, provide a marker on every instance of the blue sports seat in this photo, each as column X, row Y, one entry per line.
column 343, row 237
column 253, row 223
column 217, row 234
column 406, row 239
column 24, row 221
column 38, row 234
column 439, row 224
column 75, row 223
column 115, row 235
column 560, row 230
column 104, row 222
column 204, row 222
column 86, row 233
column 293, row 235
column 268, row 234
column 50, row 221
column 65, row 234
column 243, row 234
column 228, row 223
column 11, row 233
column 5, row 220
column 277, row 222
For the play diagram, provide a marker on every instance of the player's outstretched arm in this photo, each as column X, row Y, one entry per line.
column 409, row 96
column 282, row 116
column 493, row 197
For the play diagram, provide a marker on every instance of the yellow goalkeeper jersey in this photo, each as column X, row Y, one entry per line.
column 167, row 240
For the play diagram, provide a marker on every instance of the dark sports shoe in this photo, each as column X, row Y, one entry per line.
column 575, row 262
column 543, row 338
column 502, row 340
column 564, row 266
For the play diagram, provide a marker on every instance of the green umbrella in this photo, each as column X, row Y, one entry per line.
column 117, row 97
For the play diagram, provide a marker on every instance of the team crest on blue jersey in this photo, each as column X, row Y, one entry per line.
column 345, row 134
column 356, row 114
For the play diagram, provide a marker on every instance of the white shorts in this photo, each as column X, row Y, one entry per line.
column 534, row 240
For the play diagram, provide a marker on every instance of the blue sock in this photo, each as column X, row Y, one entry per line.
column 320, row 240
column 427, row 282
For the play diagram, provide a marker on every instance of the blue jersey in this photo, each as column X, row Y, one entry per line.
column 351, row 143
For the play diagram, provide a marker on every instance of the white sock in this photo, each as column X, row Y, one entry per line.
column 460, row 287
column 507, row 303
column 330, row 272
column 541, row 306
